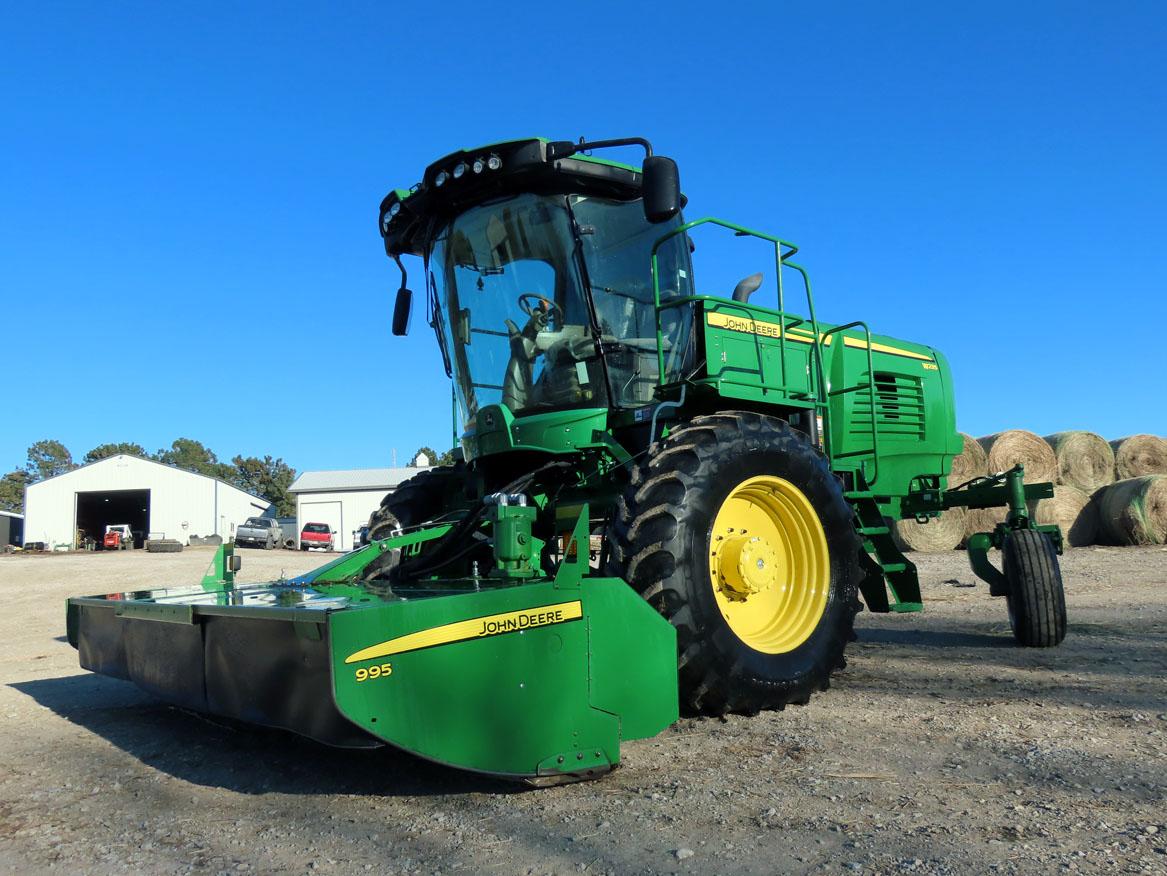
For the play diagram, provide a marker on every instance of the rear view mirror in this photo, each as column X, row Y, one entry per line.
column 661, row 189
column 401, row 311
column 236, row 562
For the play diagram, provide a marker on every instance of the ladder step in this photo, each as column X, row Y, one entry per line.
column 874, row 530
column 858, row 494
column 889, row 568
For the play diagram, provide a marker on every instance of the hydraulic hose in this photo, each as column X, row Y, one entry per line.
column 460, row 540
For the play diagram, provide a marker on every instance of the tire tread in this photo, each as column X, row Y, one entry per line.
column 646, row 550
column 1037, row 597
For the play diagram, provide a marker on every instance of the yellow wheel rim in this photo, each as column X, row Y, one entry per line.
column 768, row 564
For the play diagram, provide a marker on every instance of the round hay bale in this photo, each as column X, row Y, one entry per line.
column 1073, row 512
column 941, row 533
column 1085, row 460
column 1006, row 449
column 1138, row 455
column 1071, row 509
column 1134, row 511
column 981, row 520
column 972, row 462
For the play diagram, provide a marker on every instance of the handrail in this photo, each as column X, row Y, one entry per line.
column 779, row 257
column 787, row 321
column 820, row 394
column 870, row 388
column 820, row 376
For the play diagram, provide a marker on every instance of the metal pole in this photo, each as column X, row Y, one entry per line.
column 1017, row 510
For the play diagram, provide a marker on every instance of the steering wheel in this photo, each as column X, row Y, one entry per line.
column 544, row 309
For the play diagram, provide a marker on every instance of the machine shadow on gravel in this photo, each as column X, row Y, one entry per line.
column 238, row 757
column 933, row 638
column 1081, row 672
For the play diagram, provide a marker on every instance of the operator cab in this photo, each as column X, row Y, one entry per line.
column 538, row 275
column 545, row 302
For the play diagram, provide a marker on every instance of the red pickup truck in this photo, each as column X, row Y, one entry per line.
column 316, row 535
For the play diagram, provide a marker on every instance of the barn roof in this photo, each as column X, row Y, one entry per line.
column 351, row 479
column 110, row 459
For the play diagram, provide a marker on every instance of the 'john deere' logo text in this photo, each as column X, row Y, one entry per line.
column 473, row 628
column 521, row 621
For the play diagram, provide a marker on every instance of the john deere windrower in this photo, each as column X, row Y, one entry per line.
column 667, row 496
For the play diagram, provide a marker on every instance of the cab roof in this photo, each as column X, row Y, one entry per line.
column 407, row 215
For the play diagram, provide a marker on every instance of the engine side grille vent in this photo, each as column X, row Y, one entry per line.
column 899, row 407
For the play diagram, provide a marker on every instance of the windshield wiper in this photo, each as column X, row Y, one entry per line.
column 485, row 271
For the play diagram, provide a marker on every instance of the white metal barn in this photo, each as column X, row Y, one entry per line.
column 343, row 499
column 154, row 499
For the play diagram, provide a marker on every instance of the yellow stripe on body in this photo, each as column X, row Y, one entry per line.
column 474, row 628
column 774, row 330
column 881, row 348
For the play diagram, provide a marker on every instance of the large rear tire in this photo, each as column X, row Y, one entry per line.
column 417, row 500
column 1036, row 599
column 736, row 530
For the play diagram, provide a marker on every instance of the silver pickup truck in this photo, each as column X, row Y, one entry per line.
column 261, row 532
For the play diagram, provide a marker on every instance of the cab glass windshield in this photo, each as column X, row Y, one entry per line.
column 509, row 281
column 617, row 242
column 511, row 309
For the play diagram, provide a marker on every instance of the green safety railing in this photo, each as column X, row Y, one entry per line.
column 788, row 321
column 870, row 387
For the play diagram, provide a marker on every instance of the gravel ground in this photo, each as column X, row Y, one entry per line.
column 940, row 749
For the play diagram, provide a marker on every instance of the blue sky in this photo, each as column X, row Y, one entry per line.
column 188, row 196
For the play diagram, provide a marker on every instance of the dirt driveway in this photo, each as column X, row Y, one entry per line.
column 941, row 749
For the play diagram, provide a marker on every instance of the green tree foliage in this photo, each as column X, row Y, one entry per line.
column 446, row 458
column 191, row 455
column 429, row 454
column 12, row 491
column 269, row 478
column 47, row 459
column 105, row 451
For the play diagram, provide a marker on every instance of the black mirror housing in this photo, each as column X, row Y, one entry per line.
column 557, row 149
column 402, row 309
column 661, row 188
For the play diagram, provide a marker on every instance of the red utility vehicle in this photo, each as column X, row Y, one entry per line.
column 118, row 538
column 316, row 535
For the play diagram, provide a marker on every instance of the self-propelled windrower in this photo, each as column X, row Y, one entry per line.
column 667, row 496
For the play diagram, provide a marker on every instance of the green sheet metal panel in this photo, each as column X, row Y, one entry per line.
column 758, row 354
column 502, row 681
column 745, row 352
column 633, row 659
column 496, row 430
column 914, row 413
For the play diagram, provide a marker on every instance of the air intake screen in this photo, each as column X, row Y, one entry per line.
column 899, row 407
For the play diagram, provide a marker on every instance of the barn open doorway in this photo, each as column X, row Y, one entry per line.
column 97, row 510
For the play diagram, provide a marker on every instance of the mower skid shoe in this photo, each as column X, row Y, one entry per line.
column 538, row 682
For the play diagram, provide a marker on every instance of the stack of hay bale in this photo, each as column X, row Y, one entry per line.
column 1133, row 510
column 1085, row 464
column 1104, row 492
